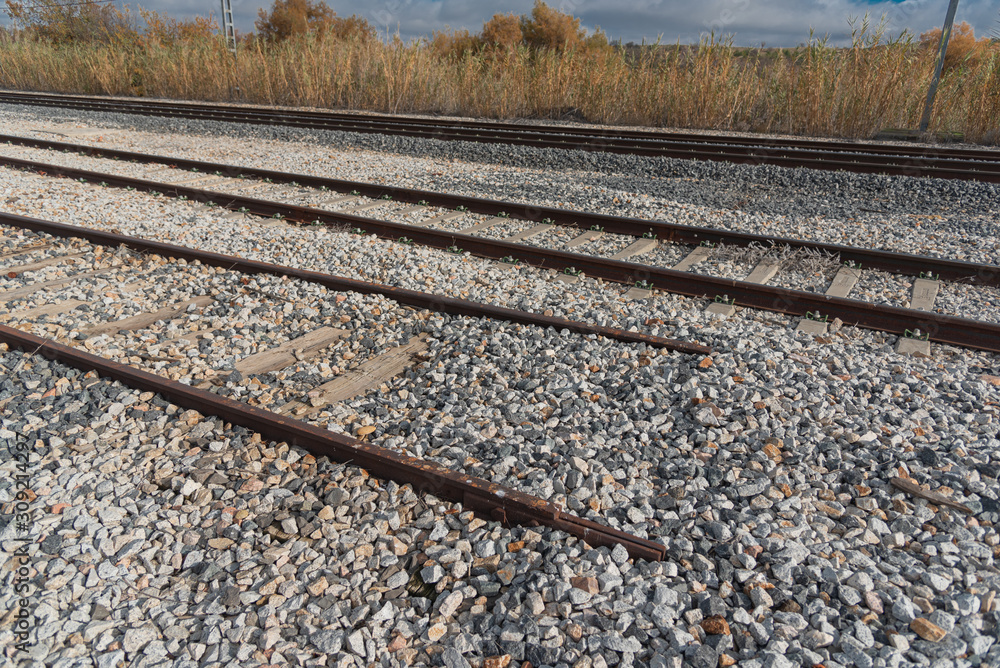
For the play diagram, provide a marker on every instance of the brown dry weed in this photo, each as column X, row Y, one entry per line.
column 818, row 90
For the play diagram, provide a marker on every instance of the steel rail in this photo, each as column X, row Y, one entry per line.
column 925, row 165
column 890, row 261
column 434, row 302
column 598, row 132
column 941, row 328
column 487, row 499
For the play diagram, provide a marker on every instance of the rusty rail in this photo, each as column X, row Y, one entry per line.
column 426, row 300
column 492, row 501
column 848, row 156
column 894, row 320
column 894, row 262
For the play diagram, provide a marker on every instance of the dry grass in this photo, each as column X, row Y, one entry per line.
column 816, row 90
column 788, row 258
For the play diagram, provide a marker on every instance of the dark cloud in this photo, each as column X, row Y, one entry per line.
column 750, row 22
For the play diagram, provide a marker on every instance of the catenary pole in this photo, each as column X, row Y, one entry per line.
column 945, row 37
column 228, row 27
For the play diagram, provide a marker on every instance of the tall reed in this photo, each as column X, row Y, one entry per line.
column 813, row 90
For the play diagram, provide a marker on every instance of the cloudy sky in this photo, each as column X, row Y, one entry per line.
column 750, row 22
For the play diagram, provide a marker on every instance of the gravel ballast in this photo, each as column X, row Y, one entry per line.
column 160, row 537
column 944, row 218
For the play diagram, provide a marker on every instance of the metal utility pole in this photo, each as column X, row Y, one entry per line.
column 228, row 28
column 945, row 37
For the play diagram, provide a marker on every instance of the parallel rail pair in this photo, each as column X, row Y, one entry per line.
column 895, row 320
column 864, row 157
column 495, row 502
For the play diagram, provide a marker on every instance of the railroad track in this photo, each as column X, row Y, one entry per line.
column 82, row 271
column 471, row 225
column 982, row 165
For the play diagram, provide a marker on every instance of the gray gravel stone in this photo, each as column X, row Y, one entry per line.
column 787, row 485
column 703, row 657
column 903, row 610
column 328, row 641
column 137, row 638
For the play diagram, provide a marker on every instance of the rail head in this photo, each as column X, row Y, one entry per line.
column 854, row 157
column 430, row 301
column 890, row 261
column 490, row 500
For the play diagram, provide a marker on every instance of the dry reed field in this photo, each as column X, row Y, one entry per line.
column 816, row 90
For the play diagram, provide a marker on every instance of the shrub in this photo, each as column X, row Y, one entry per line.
column 503, row 31
column 295, row 18
column 549, row 28
column 544, row 29
column 962, row 45
column 66, row 23
column 454, row 44
column 167, row 31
